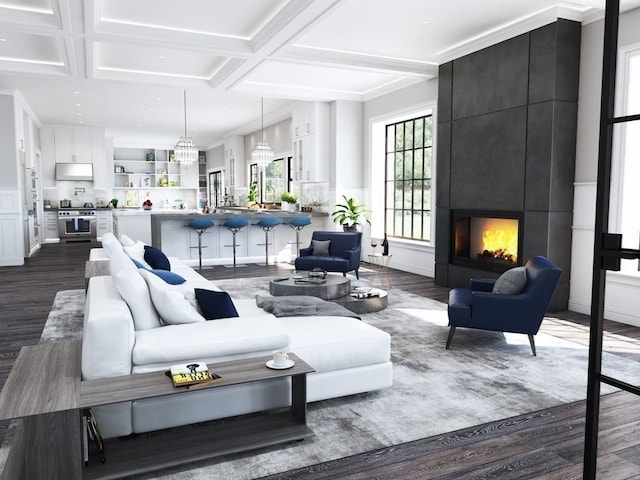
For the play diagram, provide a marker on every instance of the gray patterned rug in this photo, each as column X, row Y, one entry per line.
column 485, row 376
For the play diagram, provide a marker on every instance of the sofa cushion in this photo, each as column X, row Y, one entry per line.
column 511, row 282
column 208, row 340
column 171, row 304
column 111, row 244
column 335, row 343
column 215, row 305
column 156, row 258
column 136, row 252
column 134, row 291
column 320, row 247
column 126, row 241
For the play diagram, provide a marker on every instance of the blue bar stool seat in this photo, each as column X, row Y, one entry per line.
column 200, row 225
column 235, row 224
column 298, row 223
column 267, row 224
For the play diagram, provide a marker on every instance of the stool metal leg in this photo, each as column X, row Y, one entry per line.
column 234, row 247
column 266, row 247
column 200, row 249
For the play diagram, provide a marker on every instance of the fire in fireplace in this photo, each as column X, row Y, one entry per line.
column 490, row 240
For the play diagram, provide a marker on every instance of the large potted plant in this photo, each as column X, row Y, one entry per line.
column 350, row 214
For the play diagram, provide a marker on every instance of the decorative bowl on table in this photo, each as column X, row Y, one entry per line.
column 318, row 273
column 146, row 207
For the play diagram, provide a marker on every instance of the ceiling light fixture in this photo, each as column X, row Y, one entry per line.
column 262, row 154
column 185, row 150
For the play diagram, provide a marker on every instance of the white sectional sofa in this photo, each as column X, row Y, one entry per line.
column 133, row 324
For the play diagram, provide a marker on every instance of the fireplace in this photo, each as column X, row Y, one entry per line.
column 487, row 240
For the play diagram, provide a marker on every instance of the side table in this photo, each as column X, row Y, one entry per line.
column 381, row 263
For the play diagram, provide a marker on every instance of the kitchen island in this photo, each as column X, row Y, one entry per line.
column 167, row 231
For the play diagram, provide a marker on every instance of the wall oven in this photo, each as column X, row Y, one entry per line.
column 77, row 224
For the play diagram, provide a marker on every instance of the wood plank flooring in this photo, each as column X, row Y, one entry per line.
column 542, row 445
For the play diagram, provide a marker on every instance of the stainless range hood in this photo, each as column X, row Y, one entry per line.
column 74, row 171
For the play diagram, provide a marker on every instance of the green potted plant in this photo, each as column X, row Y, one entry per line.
column 252, row 196
column 289, row 201
column 114, row 202
column 350, row 214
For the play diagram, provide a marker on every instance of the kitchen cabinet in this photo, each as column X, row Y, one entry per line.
column 310, row 124
column 104, row 221
column 82, row 145
column 134, row 224
column 51, row 234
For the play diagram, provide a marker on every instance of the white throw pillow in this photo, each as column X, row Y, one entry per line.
column 110, row 244
column 126, row 241
column 136, row 251
column 170, row 302
column 511, row 282
column 134, row 291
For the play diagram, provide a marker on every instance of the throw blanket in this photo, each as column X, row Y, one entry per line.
column 301, row 305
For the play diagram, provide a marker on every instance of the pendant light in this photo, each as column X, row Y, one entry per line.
column 185, row 150
column 262, row 153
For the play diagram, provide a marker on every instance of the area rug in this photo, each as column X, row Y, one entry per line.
column 485, row 376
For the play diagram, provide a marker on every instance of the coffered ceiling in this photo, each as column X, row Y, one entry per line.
column 123, row 65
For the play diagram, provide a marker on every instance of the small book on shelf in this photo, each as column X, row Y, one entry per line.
column 192, row 373
column 94, row 434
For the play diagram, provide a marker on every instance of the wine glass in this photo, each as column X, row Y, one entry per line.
column 374, row 244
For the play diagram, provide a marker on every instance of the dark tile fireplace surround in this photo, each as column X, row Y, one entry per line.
column 506, row 150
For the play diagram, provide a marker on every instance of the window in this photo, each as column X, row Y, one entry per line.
column 408, row 159
column 626, row 168
column 276, row 180
column 215, row 189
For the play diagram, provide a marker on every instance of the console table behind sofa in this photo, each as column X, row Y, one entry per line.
column 45, row 390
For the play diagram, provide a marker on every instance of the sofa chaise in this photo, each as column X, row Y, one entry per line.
column 136, row 322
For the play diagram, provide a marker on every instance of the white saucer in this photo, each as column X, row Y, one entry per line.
column 289, row 364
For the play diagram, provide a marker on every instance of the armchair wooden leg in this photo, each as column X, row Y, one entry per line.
column 533, row 345
column 452, row 330
column 357, row 274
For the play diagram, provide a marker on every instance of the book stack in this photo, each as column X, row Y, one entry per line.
column 192, row 374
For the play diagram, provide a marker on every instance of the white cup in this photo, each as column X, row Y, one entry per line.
column 280, row 358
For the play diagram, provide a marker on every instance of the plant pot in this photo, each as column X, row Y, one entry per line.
column 350, row 228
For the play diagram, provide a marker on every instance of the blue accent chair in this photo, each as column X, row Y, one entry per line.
column 477, row 307
column 344, row 253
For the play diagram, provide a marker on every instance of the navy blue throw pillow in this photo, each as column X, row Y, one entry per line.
column 155, row 258
column 215, row 305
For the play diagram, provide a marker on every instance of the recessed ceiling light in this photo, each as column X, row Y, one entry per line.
column 78, row 104
column 76, row 93
column 79, row 114
column 3, row 39
column 426, row 22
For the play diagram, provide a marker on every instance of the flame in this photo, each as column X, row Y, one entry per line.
column 500, row 237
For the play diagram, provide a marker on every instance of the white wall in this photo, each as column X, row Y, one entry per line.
column 622, row 292
column 410, row 256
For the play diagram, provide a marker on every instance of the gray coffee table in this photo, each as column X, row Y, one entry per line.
column 363, row 303
column 333, row 286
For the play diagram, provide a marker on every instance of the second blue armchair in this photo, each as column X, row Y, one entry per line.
column 342, row 255
column 522, row 312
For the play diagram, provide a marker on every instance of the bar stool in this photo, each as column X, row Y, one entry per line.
column 267, row 224
column 298, row 223
column 200, row 225
column 235, row 224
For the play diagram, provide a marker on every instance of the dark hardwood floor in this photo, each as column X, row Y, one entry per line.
column 542, row 445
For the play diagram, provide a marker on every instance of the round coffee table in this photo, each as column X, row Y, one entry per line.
column 363, row 303
column 333, row 286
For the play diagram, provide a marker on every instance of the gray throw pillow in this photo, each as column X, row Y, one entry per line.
column 511, row 282
column 320, row 247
